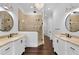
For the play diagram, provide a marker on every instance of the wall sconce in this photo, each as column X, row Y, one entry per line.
column 70, row 8
column 5, row 7
column 8, row 6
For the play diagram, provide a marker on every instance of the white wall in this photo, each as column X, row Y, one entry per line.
column 58, row 17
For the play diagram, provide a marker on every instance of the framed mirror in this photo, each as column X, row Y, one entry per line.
column 6, row 21
column 72, row 21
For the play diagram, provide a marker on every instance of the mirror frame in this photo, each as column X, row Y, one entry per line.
column 11, row 19
column 75, row 10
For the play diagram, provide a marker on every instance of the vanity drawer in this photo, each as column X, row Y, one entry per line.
column 74, row 49
column 6, row 49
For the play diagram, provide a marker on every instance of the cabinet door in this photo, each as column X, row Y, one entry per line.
column 19, row 47
column 55, row 44
column 59, row 46
column 16, row 45
column 62, row 47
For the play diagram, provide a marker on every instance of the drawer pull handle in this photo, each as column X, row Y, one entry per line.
column 7, row 49
column 72, row 48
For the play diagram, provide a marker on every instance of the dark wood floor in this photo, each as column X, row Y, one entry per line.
column 45, row 49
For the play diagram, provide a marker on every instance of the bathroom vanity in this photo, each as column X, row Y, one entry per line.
column 14, row 45
column 64, row 45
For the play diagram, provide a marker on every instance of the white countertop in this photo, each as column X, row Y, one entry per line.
column 73, row 39
column 6, row 40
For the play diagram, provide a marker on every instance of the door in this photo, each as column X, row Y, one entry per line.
column 49, row 27
column 18, row 47
column 49, row 23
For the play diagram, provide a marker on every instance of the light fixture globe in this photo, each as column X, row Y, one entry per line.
column 39, row 6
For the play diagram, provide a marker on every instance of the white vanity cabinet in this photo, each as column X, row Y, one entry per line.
column 55, row 44
column 59, row 46
column 62, row 47
column 6, row 49
column 19, row 46
column 12, row 46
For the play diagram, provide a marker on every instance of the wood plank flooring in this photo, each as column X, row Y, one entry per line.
column 45, row 49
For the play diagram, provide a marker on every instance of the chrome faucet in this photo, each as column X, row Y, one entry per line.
column 10, row 35
column 68, row 35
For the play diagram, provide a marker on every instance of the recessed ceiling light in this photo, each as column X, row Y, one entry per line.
column 34, row 11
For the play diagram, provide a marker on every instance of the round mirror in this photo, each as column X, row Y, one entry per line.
column 72, row 21
column 6, row 21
